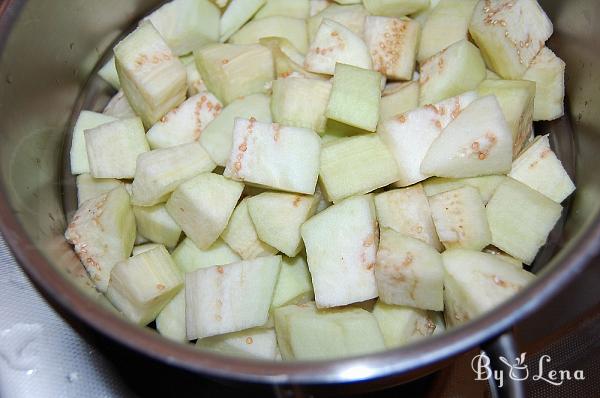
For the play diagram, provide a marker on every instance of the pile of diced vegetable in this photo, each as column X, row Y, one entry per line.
column 308, row 179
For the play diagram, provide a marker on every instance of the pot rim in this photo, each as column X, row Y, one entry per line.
column 562, row 269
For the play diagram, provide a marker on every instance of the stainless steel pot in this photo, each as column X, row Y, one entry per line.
column 47, row 51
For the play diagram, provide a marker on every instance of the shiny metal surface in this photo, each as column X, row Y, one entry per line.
column 47, row 50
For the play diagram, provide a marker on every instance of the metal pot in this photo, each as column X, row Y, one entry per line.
column 47, row 51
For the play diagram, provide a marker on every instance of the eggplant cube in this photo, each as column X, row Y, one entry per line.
column 451, row 72
column 292, row 29
column 274, row 156
column 355, row 166
column 402, row 100
column 548, row 73
column 192, row 206
column 407, row 211
column 217, row 137
column 170, row 322
column 539, row 168
column 476, row 282
column 294, row 285
column 447, row 24
column 257, row 343
column 509, row 33
column 409, row 272
column 516, row 99
column 102, row 232
column 113, row 148
column 230, row 298
column 161, row 171
column 402, row 325
column 521, row 219
column 486, row 185
column 477, row 143
column 236, row 15
column 185, row 123
column 142, row 285
column 341, row 247
column 305, row 333
column 409, row 135
column 155, row 224
column 187, row 25
column 301, row 102
column 89, row 187
column 152, row 77
column 241, row 235
column 460, row 219
column 395, row 8
column 334, row 43
column 189, row 257
column 393, row 45
column 355, row 97
column 278, row 218
column 231, row 71
column 79, row 157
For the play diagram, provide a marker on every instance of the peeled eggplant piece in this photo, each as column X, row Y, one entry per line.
column 477, row 282
column 286, row 8
column 185, row 123
column 189, row 257
column 152, row 77
column 294, row 285
column 155, row 224
column 341, row 247
column 161, row 171
column 289, row 62
column 242, row 237
column 334, row 43
column 355, row 166
column 516, row 98
column 409, row 272
column 477, row 143
column 539, row 168
column 350, row 16
column 109, row 73
column 451, row 72
column 520, row 219
column 409, row 135
column 402, row 100
column 460, row 219
column 230, row 298
column 236, row 15
column 355, row 97
column 142, row 285
column 401, row 325
column 393, row 45
column 195, row 83
column 316, row 6
column 306, row 333
column 486, row 185
column 85, row 121
column 395, row 8
column 407, row 211
column 278, row 217
column 509, row 33
column 217, row 137
column 274, row 156
column 118, row 107
column 258, row 343
column 231, row 71
column 548, row 73
column 292, row 29
column 187, row 24
column 446, row 24
column 113, row 148
column 170, row 322
column 300, row 102
column 89, row 187
column 192, row 206
column 102, row 232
